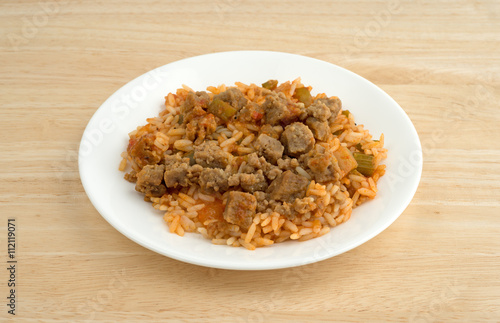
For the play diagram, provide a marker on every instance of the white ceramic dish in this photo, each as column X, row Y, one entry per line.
column 116, row 200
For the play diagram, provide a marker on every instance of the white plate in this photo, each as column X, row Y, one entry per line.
column 116, row 200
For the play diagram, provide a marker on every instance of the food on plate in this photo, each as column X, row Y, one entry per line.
column 253, row 165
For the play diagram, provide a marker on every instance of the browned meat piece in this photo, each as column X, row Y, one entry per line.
column 177, row 176
column 194, row 173
column 280, row 110
column 253, row 182
column 287, row 187
column 287, row 163
column 319, row 110
column 262, row 201
column 171, row 160
column 269, row 147
column 304, row 205
column 240, row 209
column 176, row 171
column 345, row 159
column 254, row 163
column 320, row 164
column 198, row 122
column 143, row 151
column 275, row 109
column 149, row 180
column 297, row 139
column 198, row 99
column 232, row 96
column 233, row 180
column 131, row 177
column 273, row 132
column 285, row 209
column 334, row 104
column 209, row 154
column 213, row 180
column 272, row 172
column 320, row 129
column 200, row 127
column 252, row 112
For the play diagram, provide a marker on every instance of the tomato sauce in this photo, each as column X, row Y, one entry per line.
column 211, row 211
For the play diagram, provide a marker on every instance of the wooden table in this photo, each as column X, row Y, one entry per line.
column 440, row 261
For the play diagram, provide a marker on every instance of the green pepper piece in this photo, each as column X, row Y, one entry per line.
column 346, row 113
column 270, row 85
column 303, row 95
column 221, row 109
column 191, row 158
column 366, row 163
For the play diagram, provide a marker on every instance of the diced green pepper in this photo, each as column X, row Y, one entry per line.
column 181, row 118
column 338, row 132
column 191, row 158
column 270, row 85
column 303, row 95
column 346, row 113
column 366, row 163
column 221, row 109
column 359, row 147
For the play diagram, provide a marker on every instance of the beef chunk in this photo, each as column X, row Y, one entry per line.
column 251, row 112
column 297, row 139
column 320, row 129
column 240, row 209
column 201, row 126
column 304, row 205
column 272, row 172
column 131, row 177
column 149, row 180
column 287, row 187
column 319, row 110
column 320, row 164
column 209, row 154
column 334, row 104
column 286, row 209
column 269, row 147
column 198, row 122
column 232, row 96
column 273, row 132
column 254, row 163
column 234, row 180
column 177, row 176
column 176, row 171
column 253, row 182
column 195, row 99
column 194, row 172
column 262, row 201
column 171, row 160
column 143, row 151
column 287, row 163
column 213, row 180
column 280, row 110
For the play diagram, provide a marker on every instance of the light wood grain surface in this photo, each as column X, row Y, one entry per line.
column 440, row 60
